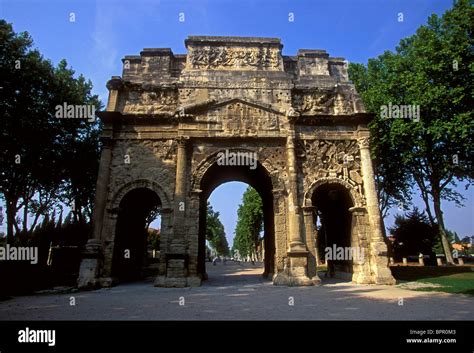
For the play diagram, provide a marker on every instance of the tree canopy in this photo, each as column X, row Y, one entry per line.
column 44, row 161
column 432, row 69
column 249, row 223
column 215, row 232
column 412, row 235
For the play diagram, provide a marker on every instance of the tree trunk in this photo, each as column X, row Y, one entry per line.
column 11, row 212
column 441, row 229
column 25, row 215
column 428, row 208
column 425, row 197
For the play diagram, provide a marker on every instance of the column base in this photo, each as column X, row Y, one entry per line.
column 295, row 271
column 316, row 280
column 297, row 247
column 90, row 265
column 381, row 273
column 292, row 279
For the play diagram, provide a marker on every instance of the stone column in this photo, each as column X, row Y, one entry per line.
column 308, row 212
column 176, row 258
column 92, row 256
column 360, row 237
column 378, row 248
column 369, row 188
column 114, row 85
column 295, row 272
column 193, row 248
column 296, row 241
column 102, row 187
column 180, row 199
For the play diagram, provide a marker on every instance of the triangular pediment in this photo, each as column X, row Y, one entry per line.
column 213, row 105
column 235, row 116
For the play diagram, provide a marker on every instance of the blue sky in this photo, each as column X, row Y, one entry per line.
column 105, row 31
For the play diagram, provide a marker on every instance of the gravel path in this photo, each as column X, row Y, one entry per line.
column 238, row 292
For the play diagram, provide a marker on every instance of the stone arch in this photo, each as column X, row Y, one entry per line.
column 356, row 231
column 208, row 162
column 357, row 198
column 205, row 178
column 140, row 183
column 114, row 210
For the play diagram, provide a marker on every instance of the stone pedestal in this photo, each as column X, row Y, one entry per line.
column 421, row 260
column 295, row 271
column 90, row 265
column 378, row 260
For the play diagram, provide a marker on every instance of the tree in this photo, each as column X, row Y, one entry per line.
column 376, row 84
column 215, row 232
column 43, row 160
column 25, row 106
column 249, row 223
column 413, row 234
column 432, row 69
column 78, row 143
column 154, row 238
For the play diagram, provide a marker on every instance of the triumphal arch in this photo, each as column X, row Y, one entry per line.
column 169, row 119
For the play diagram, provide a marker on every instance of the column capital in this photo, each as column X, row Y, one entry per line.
column 195, row 192
column 364, row 142
column 182, row 141
column 358, row 210
column 115, row 83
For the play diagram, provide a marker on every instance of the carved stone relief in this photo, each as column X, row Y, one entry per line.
column 233, row 58
column 150, row 102
column 239, row 119
column 316, row 102
column 333, row 159
column 323, row 102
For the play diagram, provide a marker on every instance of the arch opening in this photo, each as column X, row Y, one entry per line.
column 136, row 235
column 333, row 224
column 259, row 179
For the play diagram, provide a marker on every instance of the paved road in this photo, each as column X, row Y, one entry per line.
column 238, row 292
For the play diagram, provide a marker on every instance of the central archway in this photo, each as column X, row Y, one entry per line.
column 260, row 180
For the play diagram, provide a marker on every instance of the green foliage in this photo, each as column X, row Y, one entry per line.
column 154, row 238
column 215, row 232
column 433, row 69
column 374, row 84
column 43, row 160
column 249, row 223
column 413, row 235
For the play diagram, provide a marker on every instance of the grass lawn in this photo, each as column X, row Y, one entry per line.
column 462, row 282
column 455, row 283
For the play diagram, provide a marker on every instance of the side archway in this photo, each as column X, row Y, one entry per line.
column 132, row 209
column 355, row 194
column 336, row 239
